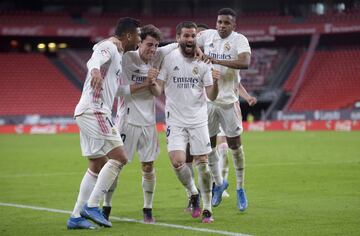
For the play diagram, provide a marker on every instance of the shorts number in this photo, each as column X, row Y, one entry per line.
column 123, row 137
column 168, row 131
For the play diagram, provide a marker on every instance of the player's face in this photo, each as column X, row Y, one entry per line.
column 133, row 40
column 225, row 24
column 147, row 48
column 187, row 41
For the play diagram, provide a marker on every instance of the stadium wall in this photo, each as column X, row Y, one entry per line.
column 258, row 126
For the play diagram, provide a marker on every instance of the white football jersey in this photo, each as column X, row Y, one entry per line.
column 185, row 80
column 224, row 49
column 140, row 106
column 107, row 59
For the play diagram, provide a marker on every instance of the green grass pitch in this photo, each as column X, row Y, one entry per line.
column 298, row 183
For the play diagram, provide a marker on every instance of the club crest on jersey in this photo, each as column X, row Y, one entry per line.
column 195, row 70
column 227, row 46
column 176, row 68
column 105, row 53
column 137, row 71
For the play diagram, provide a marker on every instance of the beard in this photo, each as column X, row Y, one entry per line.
column 188, row 49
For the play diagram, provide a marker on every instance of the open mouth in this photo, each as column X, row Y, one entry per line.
column 189, row 46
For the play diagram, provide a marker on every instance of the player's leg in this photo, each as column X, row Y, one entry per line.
column 96, row 160
column 107, row 176
column 129, row 136
column 148, row 185
column 223, row 147
column 199, row 147
column 239, row 165
column 189, row 163
column 148, row 150
column 213, row 157
column 177, row 140
column 233, row 131
column 76, row 221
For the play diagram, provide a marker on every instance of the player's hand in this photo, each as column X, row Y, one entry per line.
column 198, row 53
column 152, row 76
column 96, row 79
column 215, row 75
column 117, row 43
column 252, row 101
column 208, row 59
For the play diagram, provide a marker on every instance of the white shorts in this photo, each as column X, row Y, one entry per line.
column 98, row 135
column 229, row 117
column 178, row 138
column 141, row 138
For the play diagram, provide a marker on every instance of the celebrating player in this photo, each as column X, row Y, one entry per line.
column 100, row 140
column 184, row 78
column 229, row 51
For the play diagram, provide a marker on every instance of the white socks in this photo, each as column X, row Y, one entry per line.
column 239, row 164
column 184, row 175
column 205, row 184
column 86, row 187
column 108, row 195
column 223, row 160
column 214, row 166
column 106, row 178
column 148, row 185
column 190, row 166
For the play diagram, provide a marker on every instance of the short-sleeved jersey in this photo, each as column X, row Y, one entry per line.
column 224, row 49
column 185, row 80
column 140, row 106
column 107, row 59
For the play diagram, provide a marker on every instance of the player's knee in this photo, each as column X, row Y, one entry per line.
column 147, row 167
column 203, row 159
column 95, row 165
column 177, row 163
column 234, row 142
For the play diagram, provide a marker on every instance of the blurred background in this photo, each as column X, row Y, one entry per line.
column 305, row 68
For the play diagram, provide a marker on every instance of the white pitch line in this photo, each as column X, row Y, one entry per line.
column 214, row 231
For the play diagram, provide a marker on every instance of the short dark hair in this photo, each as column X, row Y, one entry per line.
column 201, row 25
column 150, row 30
column 227, row 11
column 125, row 25
column 185, row 24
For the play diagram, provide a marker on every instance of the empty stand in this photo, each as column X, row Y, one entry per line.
column 32, row 85
column 34, row 18
column 263, row 63
column 331, row 82
column 75, row 61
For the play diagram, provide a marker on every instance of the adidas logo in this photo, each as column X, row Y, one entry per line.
column 238, row 128
column 211, row 45
column 176, row 68
column 208, row 144
column 137, row 71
